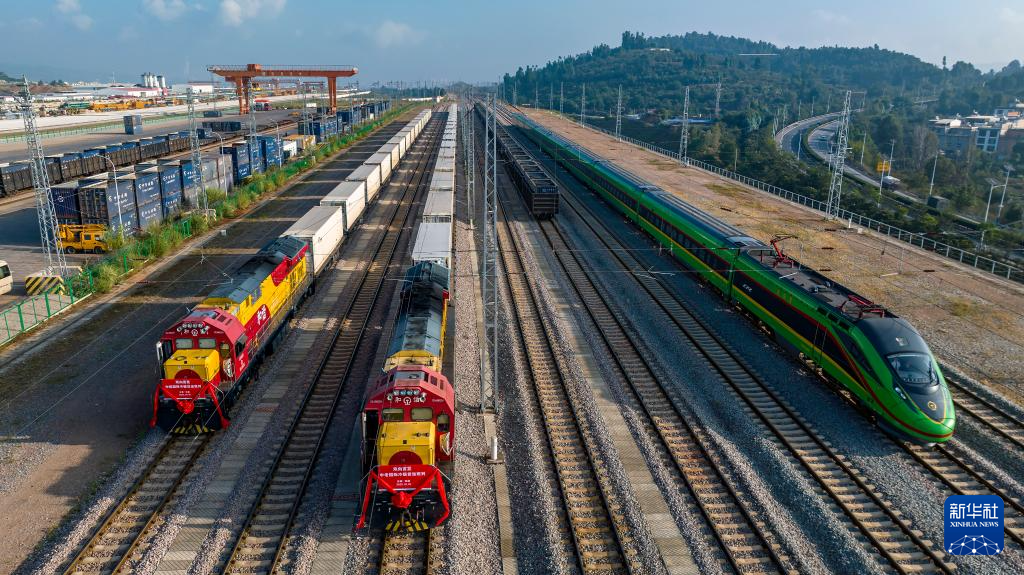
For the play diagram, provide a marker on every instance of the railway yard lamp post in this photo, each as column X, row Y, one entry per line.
column 117, row 198
column 931, row 184
column 1002, row 198
column 993, row 184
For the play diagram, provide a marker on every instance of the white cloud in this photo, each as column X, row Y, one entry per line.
column 73, row 10
column 829, row 17
column 391, row 33
column 1012, row 16
column 69, row 6
column 236, row 12
column 81, row 21
column 165, row 9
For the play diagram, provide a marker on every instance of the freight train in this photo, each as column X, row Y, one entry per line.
column 534, row 184
column 854, row 343
column 207, row 357
column 408, row 419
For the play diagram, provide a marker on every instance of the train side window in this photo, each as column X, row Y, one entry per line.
column 422, row 414
column 184, row 343
column 442, row 422
column 393, row 414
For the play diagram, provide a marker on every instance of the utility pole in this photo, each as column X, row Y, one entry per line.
column 1002, row 198
column 718, row 100
column 561, row 98
column 551, row 97
column 931, row 184
column 197, row 159
column 515, row 92
column 583, row 106
column 684, row 132
column 618, row 116
column 828, row 107
column 488, row 385
column 252, row 125
column 55, row 263
column 863, row 146
column 881, row 177
column 536, row 97
column 835, row 191
column 813, row 100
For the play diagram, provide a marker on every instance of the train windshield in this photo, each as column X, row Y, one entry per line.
column 914, row 369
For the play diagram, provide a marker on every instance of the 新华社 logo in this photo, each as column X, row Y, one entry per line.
column 973, row 525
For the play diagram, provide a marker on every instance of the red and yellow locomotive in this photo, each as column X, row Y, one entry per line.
column 409, row 416
column 211, row 353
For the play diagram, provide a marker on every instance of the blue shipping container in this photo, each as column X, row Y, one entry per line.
column 149, row 214
column 100, row 206
column 147, row 187
column 65, row 203
column 171, row 203
column 241, row 172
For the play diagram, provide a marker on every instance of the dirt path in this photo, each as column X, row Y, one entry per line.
column 972, row 320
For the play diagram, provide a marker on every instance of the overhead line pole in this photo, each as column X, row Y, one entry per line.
column 197, row 159
column 55, row 263
column 618, row 116
column 835, row 191
column 583, row 106
column 488, row 385
column 684, row 133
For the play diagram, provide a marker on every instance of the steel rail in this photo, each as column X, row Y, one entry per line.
column 125, row 525
column 318, row 404
column 595, row 517
column 745, row 543
column 826, row 467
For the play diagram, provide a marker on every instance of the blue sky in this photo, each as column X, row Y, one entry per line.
column 450, row 39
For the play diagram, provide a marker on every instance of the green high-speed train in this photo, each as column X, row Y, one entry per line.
column 859, row 345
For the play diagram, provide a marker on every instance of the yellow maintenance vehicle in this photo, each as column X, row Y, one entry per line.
column 86, row 238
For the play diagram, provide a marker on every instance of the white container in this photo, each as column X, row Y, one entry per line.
column 351, row 197
column 392, row 151
column 382, row 160
column 445, row 164
column 433, row 244
column 401, row 143
column 439, row 207
column 289, row 149
column 323, row 228
column 442, row 181
column 369, row 173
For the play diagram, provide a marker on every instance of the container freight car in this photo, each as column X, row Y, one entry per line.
column 65, row 202
column 223, row 125
column 350, row 196
column 433, row 243
column 322, row 228
column 370, row 174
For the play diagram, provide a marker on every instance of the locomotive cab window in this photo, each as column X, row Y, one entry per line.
column 913, row 369
column 207, row 343
column 393, row 414
column 442, row 422
column 422, row 414
column 184, row 343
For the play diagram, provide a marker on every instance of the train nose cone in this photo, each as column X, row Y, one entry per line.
column 932, row 403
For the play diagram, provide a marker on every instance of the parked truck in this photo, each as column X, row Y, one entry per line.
column 82, row 238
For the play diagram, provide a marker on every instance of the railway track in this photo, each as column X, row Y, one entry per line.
column 986, row 413
column 596, row 519
column 122, row 533
column 740, row 534
column 260, row 545
column 880, row 527
column 404, row 553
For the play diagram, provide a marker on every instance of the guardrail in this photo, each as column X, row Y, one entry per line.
column 972, row 259
column 33, row 311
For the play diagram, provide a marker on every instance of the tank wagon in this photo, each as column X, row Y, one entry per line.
column 854, row 343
